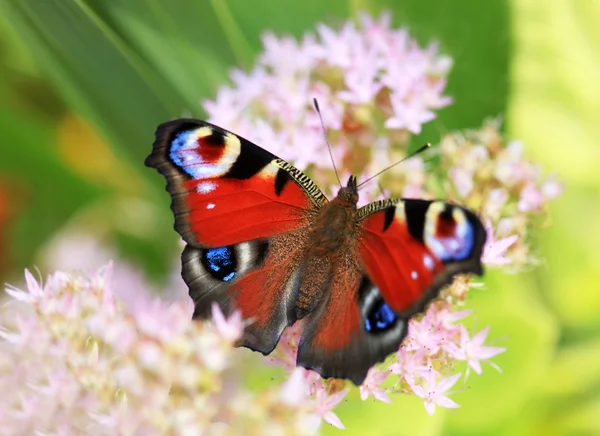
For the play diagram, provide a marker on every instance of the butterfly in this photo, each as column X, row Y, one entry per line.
column 263, row 239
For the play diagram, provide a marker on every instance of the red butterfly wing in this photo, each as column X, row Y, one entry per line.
column 407, row 251
column 335, row 341
column 226, row 189
column 243, row 213
column 412, row 248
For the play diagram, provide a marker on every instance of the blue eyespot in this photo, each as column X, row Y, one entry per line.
column 467, row 240
column 184, row 154
column 456, row 247
column 220, row 262
column 380, row 318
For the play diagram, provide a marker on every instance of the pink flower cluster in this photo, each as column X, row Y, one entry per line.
column 421, row 365
column 75, row 359
column 365, row 76
column 491, row 175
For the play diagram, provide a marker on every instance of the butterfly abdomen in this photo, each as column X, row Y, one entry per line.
column 314, row 283
column 330, row 237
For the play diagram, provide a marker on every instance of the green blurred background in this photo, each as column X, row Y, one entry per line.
column 85, row 82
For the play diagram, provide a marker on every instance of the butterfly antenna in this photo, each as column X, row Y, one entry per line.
column 327, row 141
column 420, row 150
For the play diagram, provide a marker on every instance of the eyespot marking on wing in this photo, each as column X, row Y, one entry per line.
column 380, row 318
column 448, row 233
column 220, row 263
column 204, row 152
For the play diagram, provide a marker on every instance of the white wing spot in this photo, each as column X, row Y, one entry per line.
column 414, row 275
column 210, row 206
column 205, row 187
column 428, row 262
column 454, row 245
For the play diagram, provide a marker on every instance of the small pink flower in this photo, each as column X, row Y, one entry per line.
column 434, row 391
column 372, row 385
column 408, row 115
column 531, row 198
column 494, row 251
column 411, row 364
column 462, row 179
column 495, row 202
column 326, row 403
column 230, row 328
column 473, row 351
column 425, row 334
column 552, row 188
column 295, row 389
column 287, row 348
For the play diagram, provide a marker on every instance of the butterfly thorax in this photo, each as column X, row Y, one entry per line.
column 335, row 222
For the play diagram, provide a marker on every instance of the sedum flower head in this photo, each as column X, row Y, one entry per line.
column 491, row 175
column 76, row 359
column 375, row 85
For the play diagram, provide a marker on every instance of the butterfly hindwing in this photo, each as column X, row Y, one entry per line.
column 260, row 278
column 242, row 212
column 351, row 330
column 407, row 251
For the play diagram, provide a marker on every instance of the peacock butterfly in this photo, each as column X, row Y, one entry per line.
column 262, row 238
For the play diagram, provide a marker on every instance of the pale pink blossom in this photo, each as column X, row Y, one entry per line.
column 326, row 403
column 411, row 364
column 408, row 115
column 473, row 351
column 434, row 391
column 495, row 203
column 372, row 385
column 552, row 188
column 78, row 359
column 424, row 333
column 531, row 198
column 231, row 327
column 348, row 69
column 494, row 250
column 462, row 179
column 296, row 388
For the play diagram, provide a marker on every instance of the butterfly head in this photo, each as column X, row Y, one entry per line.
column 349, row 193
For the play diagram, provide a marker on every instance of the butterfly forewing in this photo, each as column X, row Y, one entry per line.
column 227, row 190
column 412, row 248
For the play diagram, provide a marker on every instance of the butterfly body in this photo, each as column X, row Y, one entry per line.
column 263, row 239
column 331, row 238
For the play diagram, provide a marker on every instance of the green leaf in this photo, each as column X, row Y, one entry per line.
column 96, row 72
